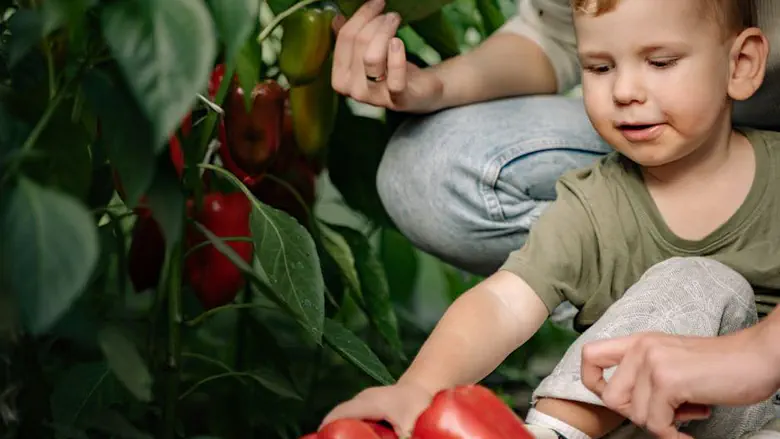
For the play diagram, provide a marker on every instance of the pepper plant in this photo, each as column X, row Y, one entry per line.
column 162, row 271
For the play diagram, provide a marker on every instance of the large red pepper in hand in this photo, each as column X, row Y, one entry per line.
column 352, row 429
column 306, row 44
column 212, row 276
column 469, row 412
column 254, row 137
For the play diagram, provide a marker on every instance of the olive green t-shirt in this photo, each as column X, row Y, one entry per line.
column 604, row 231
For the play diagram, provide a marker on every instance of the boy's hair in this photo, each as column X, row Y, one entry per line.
column 732, row 15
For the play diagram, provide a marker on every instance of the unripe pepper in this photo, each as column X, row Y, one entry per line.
column 253, row 138
column 212, row 276
column 314, row 107
column 306, row 44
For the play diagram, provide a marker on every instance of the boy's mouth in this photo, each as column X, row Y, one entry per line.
column 640, row 132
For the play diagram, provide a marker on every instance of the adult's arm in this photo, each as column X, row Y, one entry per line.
column 663, row 378
column 534, row 52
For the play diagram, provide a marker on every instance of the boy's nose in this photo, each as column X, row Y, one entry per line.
column 628, row 89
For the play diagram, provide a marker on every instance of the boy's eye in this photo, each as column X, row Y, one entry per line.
column 663, row 63
column 600, row 68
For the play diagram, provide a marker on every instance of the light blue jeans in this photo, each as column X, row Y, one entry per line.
column 466, row 184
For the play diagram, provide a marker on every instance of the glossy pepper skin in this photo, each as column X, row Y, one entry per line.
column 296, row 170
column 306, row 44
column 212, row 276
column 469, row 412
column 314, row 107
column 253, row 138
column 352, row 429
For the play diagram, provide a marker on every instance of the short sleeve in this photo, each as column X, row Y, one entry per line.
column 560, row 256
column 550, row 25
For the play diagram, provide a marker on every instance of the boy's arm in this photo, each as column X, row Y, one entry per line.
column 477, row 332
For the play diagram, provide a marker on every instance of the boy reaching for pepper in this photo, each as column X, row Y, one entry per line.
column 671, row 232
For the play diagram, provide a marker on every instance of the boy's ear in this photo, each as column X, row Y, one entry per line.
column 748, row 56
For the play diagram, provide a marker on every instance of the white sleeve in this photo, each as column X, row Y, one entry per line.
column 549, row 24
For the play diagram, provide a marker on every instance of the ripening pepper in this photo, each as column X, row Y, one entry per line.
column 306, row 44
column 253, row 138
column 147, row 252
column 314, row 107
column 468, row 412
column 352, row 429
column 212, row 276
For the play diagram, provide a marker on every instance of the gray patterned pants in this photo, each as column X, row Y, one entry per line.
column 684, row 296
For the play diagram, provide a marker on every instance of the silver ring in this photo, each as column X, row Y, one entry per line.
column 376, row 78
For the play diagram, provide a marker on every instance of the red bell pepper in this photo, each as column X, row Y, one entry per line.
column 147, row 252
column 212, row 276
column 352, row 429
column 254, row 137
column 469, row 412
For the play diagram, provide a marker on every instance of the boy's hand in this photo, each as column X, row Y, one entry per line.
column 399, row 404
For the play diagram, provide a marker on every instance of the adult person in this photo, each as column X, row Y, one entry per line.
column 663, row 378
column 469, row 174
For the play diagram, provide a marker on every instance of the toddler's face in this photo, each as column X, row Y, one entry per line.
column 655, row 78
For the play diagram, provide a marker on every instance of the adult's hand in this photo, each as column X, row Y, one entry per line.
column 366, row 47
column 661, row 379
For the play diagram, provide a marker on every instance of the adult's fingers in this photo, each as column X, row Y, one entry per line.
column 396, row 70
column 347, row 33
column 375, row 55
column 600, row 355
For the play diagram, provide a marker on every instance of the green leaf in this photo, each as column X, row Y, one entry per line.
column 115, row 424
column 166, row 49
column 399, row 258
column 82, row 390
column 288, row 255
column 410, row 10
column 349, row 346
column 248, row 69
column 341, row 253
column 13, row 133
column 167, row 201
column 235, row 20
column 275, row 382
column 355, row 151
column 126, row 362
column 438, row 32
column 26, row 27
column 48, row 251
column 126, row 133
column 376, row 292
column 59, row 12
column 65, row 162
column 492, row 17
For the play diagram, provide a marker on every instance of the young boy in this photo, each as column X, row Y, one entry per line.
column 625, row 238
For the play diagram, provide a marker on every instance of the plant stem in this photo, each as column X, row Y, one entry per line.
column 173, row 354
column 279, row 18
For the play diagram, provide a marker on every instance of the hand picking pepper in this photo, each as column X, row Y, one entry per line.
column 306, row 44
column 213, row 277
column 353, row 429
column 469, row 412
column 254, row 137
